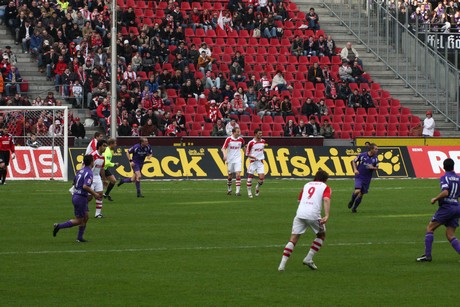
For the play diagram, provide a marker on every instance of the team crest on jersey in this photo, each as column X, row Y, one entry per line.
column 391, row 163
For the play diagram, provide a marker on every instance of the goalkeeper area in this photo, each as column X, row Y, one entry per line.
column 189, row 244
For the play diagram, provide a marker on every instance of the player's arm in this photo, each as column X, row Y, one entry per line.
column 441, row 195
column 327, row 207
column 128, row 155
column 355, row 166
column 108, row 159
column 91, row 191
column 13, row 155
column 149, row 156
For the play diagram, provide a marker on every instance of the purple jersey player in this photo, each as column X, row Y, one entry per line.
column 81, row 189
column 136, row 156
column 448, row 212
column 363, row 166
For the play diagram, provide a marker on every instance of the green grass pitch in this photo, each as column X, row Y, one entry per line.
column 189, row 244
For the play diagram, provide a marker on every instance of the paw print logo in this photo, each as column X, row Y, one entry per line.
column 391, row 163
column 79, row 162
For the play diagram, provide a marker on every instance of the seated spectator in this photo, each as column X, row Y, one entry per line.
column 310, row 108
column 263, row 106
column 268, row 29
column 225, row 108
column 275, row 107
column 219, row 129
column 135, row 130
column 214, row 94
column 77, row 129
column 366, row 99
column 354, row 101
column 343, row 91
column 210, row 80
column 315, row 74
column 13, row 80
column 313, row 20
column 286, row 107
column 230, row 125
column 345, row 72
column 297, row 46
column 179, row 119
column 313, row 127
column 56, row 129
column 309, row 47
column 279, row 83
column 236, row 72
column 331, row 90
column 251, row 96
column 350, row 54
column 213, row 112
column 33, row 142
column 238, row 105
column 327, row 130
column 165, row 121
column 321, row 46
column 290, row 128
column 149, row 129
column 330, row 43
column 357, row 73
column 301, row 129
column 204, row 62
column 322, row 107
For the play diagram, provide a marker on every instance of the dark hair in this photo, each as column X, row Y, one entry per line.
column 448, row 165
column 321, row 176
column 97, row 134
column 257, row 131
column 372, row 146
column 87, row 160
column 101, row 143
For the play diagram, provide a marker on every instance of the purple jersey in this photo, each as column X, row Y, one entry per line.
column 450, row 182
column 364, row 161
column 83, row 177
column 139, row 153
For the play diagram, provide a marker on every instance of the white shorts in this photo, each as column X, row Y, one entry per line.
column 97, row 185
column 256, row 167
column 299, row 226
column 234, row 167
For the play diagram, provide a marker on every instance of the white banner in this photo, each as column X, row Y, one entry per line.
column 36, row 163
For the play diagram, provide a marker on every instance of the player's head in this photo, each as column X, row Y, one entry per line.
column 373, row 149
column 258, row 133
column 321, row 176
column 101, row 145
column 236, row 132
column 88, row 160
column 98, row 135
column 143, row 141
column 448, row 165
column 112, row 143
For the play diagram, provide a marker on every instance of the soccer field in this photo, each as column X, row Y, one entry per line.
column 189, row 244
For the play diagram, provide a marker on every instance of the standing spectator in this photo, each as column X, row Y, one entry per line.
column 77, row 91
column 59, row 69
column 428, row 124
column 103, row 112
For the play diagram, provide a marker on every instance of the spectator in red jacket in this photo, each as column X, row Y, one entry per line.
column 59, row 69
column 103, row 113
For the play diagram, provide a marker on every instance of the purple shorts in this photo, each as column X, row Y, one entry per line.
column 80, row 205
column 447, row 215
column 137, row 167
column 363, row 185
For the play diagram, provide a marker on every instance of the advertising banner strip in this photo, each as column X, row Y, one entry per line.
column 36, row 163
column 170, row 162
column 427, row 160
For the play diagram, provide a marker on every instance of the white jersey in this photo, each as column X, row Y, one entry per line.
column 91, row 147
column 255, row 150
column 99, row 163
column 311, row 200
column 233, row 147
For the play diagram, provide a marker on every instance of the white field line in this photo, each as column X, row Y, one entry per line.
column 195, row 248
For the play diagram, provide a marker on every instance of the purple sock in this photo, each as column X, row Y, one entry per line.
column 81, row 231
column 357, row 202
column 429, row 243
column 67, row 224
column 455, row 244
column 138, row 186
column 127, row 180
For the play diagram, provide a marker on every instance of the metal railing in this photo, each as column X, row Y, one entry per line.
column 394, row 38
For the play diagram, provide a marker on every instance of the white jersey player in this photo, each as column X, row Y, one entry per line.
column 313, row 196
column 92, row 146
column 255, row 153
column 233, row 157
column 99, row 174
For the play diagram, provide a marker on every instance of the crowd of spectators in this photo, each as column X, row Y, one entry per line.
column 161, row 72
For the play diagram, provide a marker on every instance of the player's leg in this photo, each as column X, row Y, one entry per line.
column 137, row 181
column 98, row 187
column 249, row 182
column 298, row 228
column 112, row 181
column 450, row 235
column 261, row 172
column 238, row 182
column 82, row 228
column 320, row 230
column 229, row 179
column 429, row 237
column 79, row 211
column 2, row 169
column 355, row 193
column 6, row 161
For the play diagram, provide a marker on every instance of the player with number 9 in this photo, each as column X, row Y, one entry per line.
column 314, row 195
